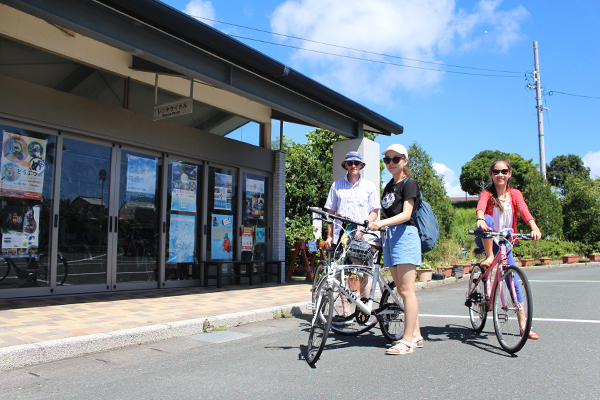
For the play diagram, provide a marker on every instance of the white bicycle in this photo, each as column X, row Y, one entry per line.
column 338, row 292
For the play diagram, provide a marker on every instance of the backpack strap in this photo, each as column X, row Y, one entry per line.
column 417, row 203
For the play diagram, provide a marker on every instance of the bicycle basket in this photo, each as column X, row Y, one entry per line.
column 360, row 250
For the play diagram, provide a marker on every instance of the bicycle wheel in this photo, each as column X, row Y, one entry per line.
column 391, row 316
column 62, row 270
column 319, row 273
column 513, row 309
column 348, row 319
column 476, row 299
column 321, row 323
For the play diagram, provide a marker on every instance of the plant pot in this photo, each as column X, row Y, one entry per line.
column 466, row 268
column 526, row 261
column 425, row 275
column 594, row 257
column 570, row 259
column 545, row 260
column 447, row 271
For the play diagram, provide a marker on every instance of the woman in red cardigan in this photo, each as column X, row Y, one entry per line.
column 497, row 209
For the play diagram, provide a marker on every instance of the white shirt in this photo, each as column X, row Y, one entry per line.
column 355, row 202
column 503, row 219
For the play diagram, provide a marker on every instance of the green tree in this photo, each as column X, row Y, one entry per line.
column 581, row 210
column 562, row 167
column 432, row 186
column 474, row 175
column 543, row 204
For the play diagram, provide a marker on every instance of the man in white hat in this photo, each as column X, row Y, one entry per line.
column 354, row 198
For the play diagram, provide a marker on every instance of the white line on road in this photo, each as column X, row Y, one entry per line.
column 555, row 281
column 581, row 321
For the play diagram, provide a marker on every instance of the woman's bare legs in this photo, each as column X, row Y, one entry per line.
column 404, row 276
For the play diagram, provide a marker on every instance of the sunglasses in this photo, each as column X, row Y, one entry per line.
column 498, row 171
column 355, row 163
column 395, row 160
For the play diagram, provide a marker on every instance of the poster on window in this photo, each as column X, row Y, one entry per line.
column 20, row 231
column 260, row 235
column 22, row 166
column 141, row 181
column 223, row 191
column 247, row 238
column 255, row 199
column 184, row 184
column 181, row 238
column 221, row 237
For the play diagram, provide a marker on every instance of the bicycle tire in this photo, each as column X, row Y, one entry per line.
column 62, row 277
column 391, row 316
column 356, row 322
column 321, row 323
column 477, row 298
column 319, row 273
column 4, row 270
column 509, row 333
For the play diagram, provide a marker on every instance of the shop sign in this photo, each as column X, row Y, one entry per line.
column 173, row 109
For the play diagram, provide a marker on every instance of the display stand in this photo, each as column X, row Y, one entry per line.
column 302, row 248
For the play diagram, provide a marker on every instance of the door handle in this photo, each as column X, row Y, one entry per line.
column 109, row 224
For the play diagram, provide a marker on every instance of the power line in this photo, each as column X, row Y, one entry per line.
column 550, row 93
column 376, row 61
column 347, row 48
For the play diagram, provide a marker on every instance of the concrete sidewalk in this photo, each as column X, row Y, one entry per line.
column 36, row 330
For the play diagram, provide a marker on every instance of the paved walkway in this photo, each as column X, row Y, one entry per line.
column 33, row 320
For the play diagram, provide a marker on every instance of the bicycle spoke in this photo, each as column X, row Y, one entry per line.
column 391, row 317
column 476, row 299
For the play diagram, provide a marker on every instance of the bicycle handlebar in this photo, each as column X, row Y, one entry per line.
column 328, row 217
column 504, row 234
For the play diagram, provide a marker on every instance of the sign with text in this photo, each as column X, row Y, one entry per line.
column 173, row 109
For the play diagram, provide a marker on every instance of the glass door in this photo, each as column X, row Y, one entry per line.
column 83, row 216
column 254, row 216
column 222, row 207
column 183, row 221
column 27, row 166
column 137, row 215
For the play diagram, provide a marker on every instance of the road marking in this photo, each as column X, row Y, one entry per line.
column 581, row 321
column 551, row 280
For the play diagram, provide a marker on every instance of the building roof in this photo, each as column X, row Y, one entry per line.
column 165, row 40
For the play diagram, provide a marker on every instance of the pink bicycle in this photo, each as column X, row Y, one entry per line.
column 509, row 297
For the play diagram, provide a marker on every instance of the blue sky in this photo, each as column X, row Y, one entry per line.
column 452, row 116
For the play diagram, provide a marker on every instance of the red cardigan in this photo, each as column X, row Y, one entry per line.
column 486, row 205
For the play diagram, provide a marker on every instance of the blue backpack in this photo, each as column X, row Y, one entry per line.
column 427, row 224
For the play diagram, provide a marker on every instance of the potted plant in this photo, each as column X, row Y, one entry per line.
column 445, row 268
column 570, row 258
column 526, row 262
column 594, row 256
column 466, row 267
column 545, row 260
column 424, row 272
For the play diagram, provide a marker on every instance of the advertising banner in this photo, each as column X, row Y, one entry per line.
column 22, row 166
column 223, row 191
column 255, row 199
column 182, row 238
column 20, row 231
column 221, row 237
column 185, row 186
column 141, row 181
column 247, row 238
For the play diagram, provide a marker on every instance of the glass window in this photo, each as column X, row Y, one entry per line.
column 254, row 218
column 183, row 205
column 26, row 193
column 221, row 214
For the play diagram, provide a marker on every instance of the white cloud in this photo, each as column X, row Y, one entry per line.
column 451, row 180
column 202, row 9
column 426, row 30
column 592, row 161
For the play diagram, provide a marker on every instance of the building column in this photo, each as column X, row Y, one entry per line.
column 278, row 238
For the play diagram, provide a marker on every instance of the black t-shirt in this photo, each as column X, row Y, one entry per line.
column 394, row 196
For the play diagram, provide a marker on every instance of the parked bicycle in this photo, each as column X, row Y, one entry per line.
column 35, row 269
column 508, row 297
column 336, row 293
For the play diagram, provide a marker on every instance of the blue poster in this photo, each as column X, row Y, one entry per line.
column 255, row 199
column 223, row 191
column 221, row 227
column 184, row 187
column 141, row 181
column 260, row 235
column 181, row 238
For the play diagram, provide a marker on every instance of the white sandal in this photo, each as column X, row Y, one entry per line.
column 396, row 350
column 418, row 342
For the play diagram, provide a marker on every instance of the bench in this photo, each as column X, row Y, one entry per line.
column 243, row 269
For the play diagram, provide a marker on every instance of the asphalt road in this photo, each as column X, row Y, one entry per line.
column 265, row 360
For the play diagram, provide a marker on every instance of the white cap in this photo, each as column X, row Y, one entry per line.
column 398, row 148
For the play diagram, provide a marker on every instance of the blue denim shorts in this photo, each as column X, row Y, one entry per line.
column 402, row 245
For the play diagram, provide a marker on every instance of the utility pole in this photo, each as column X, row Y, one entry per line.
column 540, row 108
